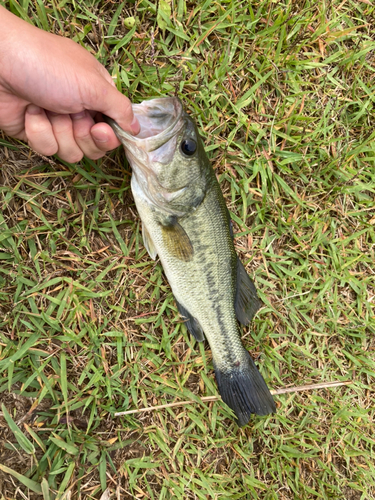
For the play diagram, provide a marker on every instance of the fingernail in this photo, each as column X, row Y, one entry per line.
column 100, row 136
column 135, row 126
column 78, row 116
column 34, row 110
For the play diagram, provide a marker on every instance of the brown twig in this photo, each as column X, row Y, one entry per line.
column 205, row 399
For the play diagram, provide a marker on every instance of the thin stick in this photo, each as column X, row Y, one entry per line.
column 322, row 385
column 311, row 387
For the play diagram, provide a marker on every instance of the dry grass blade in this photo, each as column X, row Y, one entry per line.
column 205, row 399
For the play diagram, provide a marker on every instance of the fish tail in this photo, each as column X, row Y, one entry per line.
column 244, row 390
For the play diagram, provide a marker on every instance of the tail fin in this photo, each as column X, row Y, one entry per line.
column 244, row 390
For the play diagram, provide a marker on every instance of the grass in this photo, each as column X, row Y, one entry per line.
column 283, row 94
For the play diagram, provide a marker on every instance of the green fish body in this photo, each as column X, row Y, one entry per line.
column 186, row 223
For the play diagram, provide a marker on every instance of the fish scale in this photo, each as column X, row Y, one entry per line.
column 186, row 223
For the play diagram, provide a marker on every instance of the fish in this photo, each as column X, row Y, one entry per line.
column 186, row 222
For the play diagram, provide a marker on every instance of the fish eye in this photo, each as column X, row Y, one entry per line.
column 188, row 147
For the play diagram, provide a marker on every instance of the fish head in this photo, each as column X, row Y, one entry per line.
column 167, row 156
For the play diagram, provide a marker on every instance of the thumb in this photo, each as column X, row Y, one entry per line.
column 108, row 100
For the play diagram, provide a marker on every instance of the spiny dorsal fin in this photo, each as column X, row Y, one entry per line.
column 191, row 323
column 247, row 302
column 148, row 243
column 177, row 241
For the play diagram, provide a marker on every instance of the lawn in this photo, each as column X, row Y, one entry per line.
column 283, row 95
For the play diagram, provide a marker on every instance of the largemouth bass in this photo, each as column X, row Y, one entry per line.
column 186, row 222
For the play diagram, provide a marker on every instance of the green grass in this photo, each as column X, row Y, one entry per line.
column 284, row 96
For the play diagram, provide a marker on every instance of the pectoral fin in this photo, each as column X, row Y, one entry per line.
column 191, row 323
column 148, row 243
column 247, row 302
column 177, row 241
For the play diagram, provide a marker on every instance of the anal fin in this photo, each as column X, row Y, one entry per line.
column 192, row 324
column 247, row 302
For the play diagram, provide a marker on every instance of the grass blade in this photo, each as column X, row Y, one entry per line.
column 29, row 483
column 22, row 440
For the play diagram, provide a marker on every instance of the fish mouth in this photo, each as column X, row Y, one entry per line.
column 160, row 119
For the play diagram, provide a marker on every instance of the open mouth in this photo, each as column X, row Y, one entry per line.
column 157, row 116
column 160, row 119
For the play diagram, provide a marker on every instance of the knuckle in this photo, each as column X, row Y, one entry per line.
column 82, row 130
column 38, row 127
column 95, row 156
column 43, row 148
column 83, row 134
column 50, row 151
column 127, row 106
column 61, row 124
column 72, row 158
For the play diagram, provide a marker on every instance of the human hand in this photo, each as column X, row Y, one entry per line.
column 51, row 92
